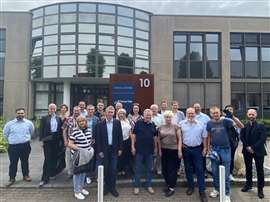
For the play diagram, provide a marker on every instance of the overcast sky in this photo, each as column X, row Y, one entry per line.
column 193, row 7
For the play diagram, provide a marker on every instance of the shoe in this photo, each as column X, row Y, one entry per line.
column 246, row 188
column 114, row 193
column 88, row 180
column 10, row 182
column 190, row 191
column 260, row 193
column 227, row 198
column 159, row 172
column 79, row 196
column 203, row 197
column 105, row 192
column 42, row 183
column 27, row 178
column 169, row 193
column 214, row 194
column 165, row 189
column 232, row 177
column 150, row 190
column 85, row 192
column 136, row 191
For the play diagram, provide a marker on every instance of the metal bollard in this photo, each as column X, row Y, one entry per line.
column 100, row 183
column 221, row 183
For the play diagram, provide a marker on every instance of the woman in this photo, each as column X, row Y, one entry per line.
column 170, row 150
column 63, row 112
column 134, row 115
column 81, row 138
column 124, row 162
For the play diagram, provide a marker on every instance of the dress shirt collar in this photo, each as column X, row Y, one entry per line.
column 109, row 121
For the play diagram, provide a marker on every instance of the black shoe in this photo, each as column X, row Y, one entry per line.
column 246, row 188
column 42, row 183
column 190, row 191
column 203, row 197
column 165, row 189
column 10, row 182
column 169, row 193
column 114, row 193
column 105, row 192
column 260, row 193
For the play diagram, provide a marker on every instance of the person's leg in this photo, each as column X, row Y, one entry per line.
column 198, row 163
column 113, row 170
column 138, row 168
column 54, row 157
column 13, row 155
column 149, row 169
column 77, row 183
column 82, row 180
column 188, row 162
column 259, row 161
column 172, row 168
column 225, row 155
column 68, row 161
column 164, row 161
column 46, row 163
column 215, row 174
column 232, row 159
column 248, row 164
column 24, row 157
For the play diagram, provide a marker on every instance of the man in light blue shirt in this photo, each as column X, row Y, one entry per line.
column 202, row 117
column 193, row 135
column 82, row 106
column 18, row 133
column 109, row 124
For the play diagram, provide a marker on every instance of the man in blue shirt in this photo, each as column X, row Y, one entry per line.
column 143, row 146
column 18, row 135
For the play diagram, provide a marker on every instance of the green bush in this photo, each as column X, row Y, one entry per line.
column 3, row 142
column 265, row 122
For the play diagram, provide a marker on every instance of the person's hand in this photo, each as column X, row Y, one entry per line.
column 101, row 155
column 119, row 152
column 133, row 151
column 65, row 142
column 204, row 152
column 250, row 150
column 180, row 155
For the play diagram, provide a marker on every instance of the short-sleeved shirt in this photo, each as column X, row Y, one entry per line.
column 192, row 133
column 177, row 117
column 145, row 133
column 158, row 119
column 218, row 133
column 82, row 138
column 168, row 136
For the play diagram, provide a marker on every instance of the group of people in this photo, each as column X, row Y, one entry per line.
column 123, row 142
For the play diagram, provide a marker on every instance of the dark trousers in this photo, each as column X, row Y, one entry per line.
column 50, row 149
column 232, row 159
column 148, row 160
column 110, row 168
column 125, row 160
column 259, row 160
column 170, row 164
column 193, row 157
column 16, row 152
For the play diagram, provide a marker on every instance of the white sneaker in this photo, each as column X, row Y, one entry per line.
column 85, row 192
column 232, row 178
column 214, row 194
column 227, row 199
column 88, row 180
column 79, row 196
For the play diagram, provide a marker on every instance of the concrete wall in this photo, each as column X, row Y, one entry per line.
column 17, row 87
column 162, row 28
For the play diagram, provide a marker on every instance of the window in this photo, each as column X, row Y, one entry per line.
column 67, row 71
column 125, row 11
column 38, row 13
column 253, row 96
column 50, row 60
column 107, row 29
column 2, row 68
column 36, row 32
column 68, row 18
column 50, row 50
column 124, row 31
column 67, row 39
column 142, row 44
column 51, row 9
column 103, row 8
column 266, row 100
column 125, row 51
column 37, row 22
column 125, row 41
column 87, row 28
column 67, row 59
column 125, row 21
column 85, row 7
column 68, row 28
column 104, row 39
column 88, row 18
column 87, row 38
column 251, row 65
column 106, row 19
column 142, row 25
column 50, row 71
column 142, row 15
column 265, row 53
column 52, row 19
column 65, row 8
column 52, row 29
column 53, row 39
column 237, row 58
column 142, row 34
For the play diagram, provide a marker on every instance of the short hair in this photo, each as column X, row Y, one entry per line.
column 79, row 118
column 252, row 109
column 110, row 107
column 90, row 106
column 52, row 105
column 190, row 108
column 82, row 102
column 214, row 108
column 76, row 107
column 168, row 113
column 19, row 109
column 164, row 101
column 154, row 105
column 175, row 102
column 64, row 105
column 196, row 103
column 227, row 106
column 147, row 110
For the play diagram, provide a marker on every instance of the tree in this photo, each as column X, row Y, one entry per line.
column 93, row 58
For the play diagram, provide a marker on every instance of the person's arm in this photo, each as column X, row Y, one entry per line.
column 120, row 138
column 159, row 143
column 179, row 146
column 6, row 131
column 133, row 141
column 65, row 136
column 237, row 122
column 71, row 145
column 208, row 141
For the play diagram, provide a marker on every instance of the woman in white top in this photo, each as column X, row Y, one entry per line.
column 125, row 160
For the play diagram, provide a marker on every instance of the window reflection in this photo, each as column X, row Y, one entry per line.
column 68, row 18
column 67, row 59
column 126, row 51
column 38, row 13
column 37, row 22
column 125, row 41
column 53, row 29
column 196, row 51
column 87, row 28
column 50, row 50
column 50, row 60
column 142, row 25
column 124, row 31
column 36, row 32
column 103, row 8
column 50, row 72
column 85, row 17
column 125, row 60
column 65, row 8
column 142, row 15
column 67, row 71
column 196, row 69
column 51, row 9
column 50, row 39
column 107, row 29
column 125, row 11
column 265, row 62
column 87, row 38
column 142, row 34
column 107, row 19
column 103, row 39
column 85, row 49
column 141, row 63
column 179, row 51
column 142, row 44
column 86, row 7
column 125, row 21
column 52, row 19
column 67, row 39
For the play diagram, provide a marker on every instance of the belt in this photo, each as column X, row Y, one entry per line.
column 28, row 142
column 191, row 147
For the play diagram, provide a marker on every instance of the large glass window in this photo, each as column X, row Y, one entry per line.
column 237, row 58
column 265, row 52
column 251, row 65
column 86, row 7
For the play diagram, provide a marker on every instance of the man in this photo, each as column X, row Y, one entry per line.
column 163, row 106
column 177, row 114
column 51, row 136
column 109, row 143
column 82, row 106
column 18, row 133
column 100, row 109
column 193, row 135
column 229, row 114
column 118, row 105
column 158, row 121
column 68, row 127
column 253, row 137
column 142, row 147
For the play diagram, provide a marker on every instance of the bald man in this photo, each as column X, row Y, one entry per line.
column 253, row 137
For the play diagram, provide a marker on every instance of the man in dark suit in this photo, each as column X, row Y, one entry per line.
column 253, row 137
column 51, row 137
column 109, row 141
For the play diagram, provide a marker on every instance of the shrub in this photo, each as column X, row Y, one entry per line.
column 3, row 142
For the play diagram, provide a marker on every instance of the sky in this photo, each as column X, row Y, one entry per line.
column 172, row 7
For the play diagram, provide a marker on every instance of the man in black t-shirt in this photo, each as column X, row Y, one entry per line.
column 143, row 146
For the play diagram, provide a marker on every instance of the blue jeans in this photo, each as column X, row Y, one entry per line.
column 148, row 158
column 78, row 182
column 225, row 158
column 193, row 159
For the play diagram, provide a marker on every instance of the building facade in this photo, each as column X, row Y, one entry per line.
column 65, row 52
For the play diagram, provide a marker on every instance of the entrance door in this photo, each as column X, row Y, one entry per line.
column 91, row 94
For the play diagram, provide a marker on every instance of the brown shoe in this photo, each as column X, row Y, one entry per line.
column 150, row 190
column 27, row 178
column 10, row 182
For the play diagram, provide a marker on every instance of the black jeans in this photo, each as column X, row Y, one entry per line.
column 259, row 160
column 170, row 164
column 16, row 152
column 125, row 160
column 50, row 149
